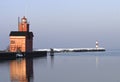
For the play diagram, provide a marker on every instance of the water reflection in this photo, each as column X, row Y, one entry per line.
column 63, row 67
column 52, row 61
column 51, row 52
column 21, row 70
column 97, row 61
column 52, row 57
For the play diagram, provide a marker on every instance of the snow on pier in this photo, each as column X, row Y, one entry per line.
column 72, row 49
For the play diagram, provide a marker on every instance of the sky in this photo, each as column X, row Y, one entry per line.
column 64, row 23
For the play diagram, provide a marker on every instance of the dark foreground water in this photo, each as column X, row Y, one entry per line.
column 64, row 67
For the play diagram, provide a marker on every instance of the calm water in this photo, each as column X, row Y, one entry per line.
column 64, row 67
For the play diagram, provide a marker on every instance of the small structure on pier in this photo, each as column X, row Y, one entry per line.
column 51, row 52
column 21, row 40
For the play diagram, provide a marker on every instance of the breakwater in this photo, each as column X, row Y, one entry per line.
column 71, row 49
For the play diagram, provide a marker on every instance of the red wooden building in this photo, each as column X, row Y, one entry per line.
column 21, row 40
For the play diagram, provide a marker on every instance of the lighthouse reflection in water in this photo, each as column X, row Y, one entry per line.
column 21, row 70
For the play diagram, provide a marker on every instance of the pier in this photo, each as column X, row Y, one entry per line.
column 14, row 55
column 55, row 50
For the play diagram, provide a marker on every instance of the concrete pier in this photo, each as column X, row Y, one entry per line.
column 14, row 55
column 72, row 49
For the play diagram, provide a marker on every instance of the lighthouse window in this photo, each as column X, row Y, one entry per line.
column 12, row 42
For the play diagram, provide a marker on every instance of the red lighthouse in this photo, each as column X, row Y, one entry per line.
column 23, row 26
column 21, row 40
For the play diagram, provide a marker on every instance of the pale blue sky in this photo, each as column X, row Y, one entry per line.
column 64, row 23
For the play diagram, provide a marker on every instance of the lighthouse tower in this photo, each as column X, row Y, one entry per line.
column 23, row 26
column 97, row 44
column 21, row 40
